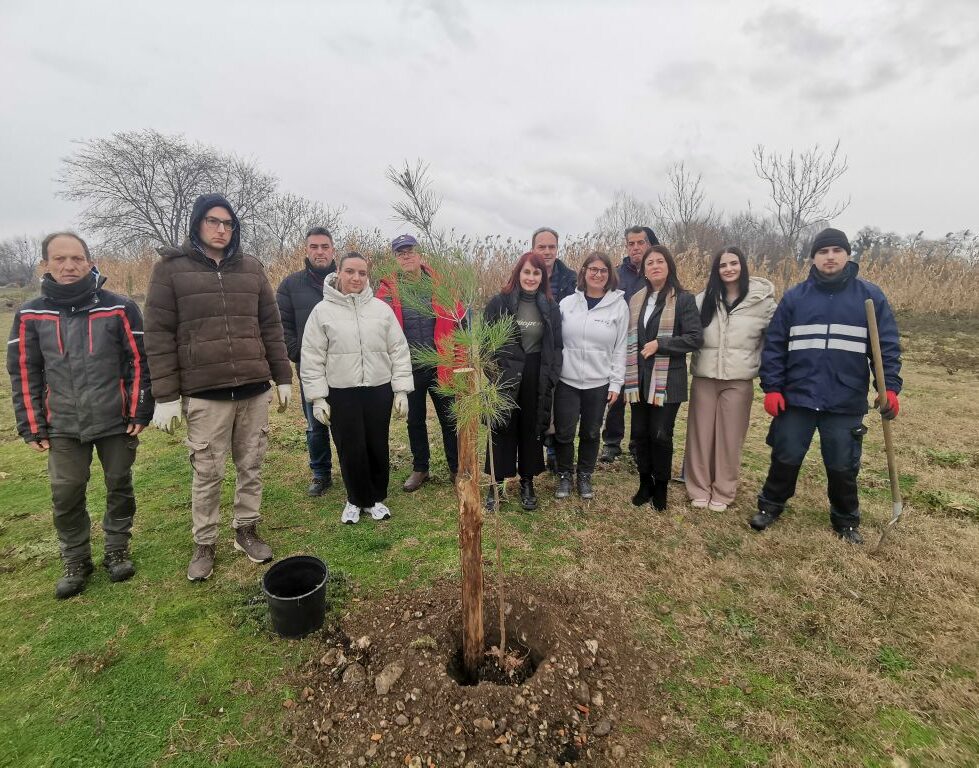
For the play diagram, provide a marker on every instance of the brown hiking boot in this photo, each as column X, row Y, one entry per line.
column 248, row 541
column 73, row 581
column 415, row 481
column 202, row 563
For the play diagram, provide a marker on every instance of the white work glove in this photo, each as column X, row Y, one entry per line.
column 321, row 411
column 167, row 416
column 401, row 404
column 284, row 393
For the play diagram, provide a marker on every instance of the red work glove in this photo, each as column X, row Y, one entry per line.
column 893, row 405
column 774, row 403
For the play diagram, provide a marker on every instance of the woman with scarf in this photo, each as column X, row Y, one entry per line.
column 664, row 326
column 529, row 366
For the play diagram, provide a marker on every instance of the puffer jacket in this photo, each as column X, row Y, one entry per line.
column 353, row 340
column 298, row 293
column 594, row 341
column 733, row 341
column 76, row 363
column 211, row 325
column 511, row 357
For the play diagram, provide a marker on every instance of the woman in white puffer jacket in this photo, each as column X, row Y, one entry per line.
column 594, row 327
column 354, row 365
column 734, row 310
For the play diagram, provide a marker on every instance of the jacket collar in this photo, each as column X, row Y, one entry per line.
column 74, row 297
column 332, row 294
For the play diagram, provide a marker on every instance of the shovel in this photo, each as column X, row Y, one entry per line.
column 898, row 504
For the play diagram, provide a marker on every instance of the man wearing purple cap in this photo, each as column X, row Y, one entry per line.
column 432, row 329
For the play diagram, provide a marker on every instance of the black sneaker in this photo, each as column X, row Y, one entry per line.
column 319, row 486
column 490, row 504
column 528, row 497
column 584, row 485
column 563, row 489
column 609, row 453
column 850, row 535
column 74, row 578
column 762, row 520
column 119, row 565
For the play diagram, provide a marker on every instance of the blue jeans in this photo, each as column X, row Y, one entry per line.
column 841, row 444
column 317, row 442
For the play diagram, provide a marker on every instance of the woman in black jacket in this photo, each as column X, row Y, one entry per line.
column 664, row 325
column 529, row 366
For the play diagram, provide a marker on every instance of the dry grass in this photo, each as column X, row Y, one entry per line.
column 791, row 648
column 913, row 284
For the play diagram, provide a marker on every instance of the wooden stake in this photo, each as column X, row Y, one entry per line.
column 470, row 536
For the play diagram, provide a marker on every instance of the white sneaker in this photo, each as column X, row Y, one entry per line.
column 379, row 512
column 699, row 503
column 717, row 506
column 350, row 514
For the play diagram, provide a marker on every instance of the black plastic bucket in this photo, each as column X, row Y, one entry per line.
column 296, row 592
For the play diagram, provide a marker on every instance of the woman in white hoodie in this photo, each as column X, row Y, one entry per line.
column 734, row 310
column 595, row 324
column 354, row 365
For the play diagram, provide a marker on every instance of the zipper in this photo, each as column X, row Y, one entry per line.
column 360, row 342
column 227, row 327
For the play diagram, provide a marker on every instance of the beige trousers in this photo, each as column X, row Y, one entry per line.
column 213, row 428
column 717, row 423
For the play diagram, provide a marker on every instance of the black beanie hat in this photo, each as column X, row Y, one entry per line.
column 827, row 238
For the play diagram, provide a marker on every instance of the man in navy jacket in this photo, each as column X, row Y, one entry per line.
column 815, row 371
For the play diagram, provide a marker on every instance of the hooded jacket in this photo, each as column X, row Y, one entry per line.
column 211, row 326
column 298, row 293
column 76, row 362
column 511, row 357
column 594, row 341
column 733, row 340
column 353, row 340
column 817, row 350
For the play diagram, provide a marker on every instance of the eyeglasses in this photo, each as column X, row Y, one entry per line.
column 214, row 223
column 596, row 271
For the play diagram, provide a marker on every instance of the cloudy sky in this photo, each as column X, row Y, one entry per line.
column 528, row 113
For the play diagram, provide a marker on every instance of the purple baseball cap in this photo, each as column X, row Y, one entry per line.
column 403, row 241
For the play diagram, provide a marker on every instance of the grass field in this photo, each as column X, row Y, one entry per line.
column 785, row 649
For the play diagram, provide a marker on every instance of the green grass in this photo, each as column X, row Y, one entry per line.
column 780, row 649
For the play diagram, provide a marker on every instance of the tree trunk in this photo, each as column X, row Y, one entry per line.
column 470, row 537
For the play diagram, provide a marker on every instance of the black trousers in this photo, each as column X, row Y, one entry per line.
column 361, row 420
column 69, row 469
column 652, row 431
column 570, row 405
column 614, row 423
column 516, row 444
column 426, row 380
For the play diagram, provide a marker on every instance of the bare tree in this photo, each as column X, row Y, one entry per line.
column 141, row 185
column 286, row 218
column 625, row 211
column 421, row 204
column 798, row 185
column 684, row 209
column 19, row 257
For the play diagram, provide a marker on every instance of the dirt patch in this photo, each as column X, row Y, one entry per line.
column 383, row 690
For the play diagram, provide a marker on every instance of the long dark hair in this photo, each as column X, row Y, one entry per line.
column 715, row 292
column 513, row 284
column 672, row 281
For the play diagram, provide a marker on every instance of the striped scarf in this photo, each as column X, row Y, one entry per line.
column 661, row 363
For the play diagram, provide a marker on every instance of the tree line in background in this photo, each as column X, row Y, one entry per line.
column 137, row 189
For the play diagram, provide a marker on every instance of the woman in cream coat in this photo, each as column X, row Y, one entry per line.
column 734, row 311
column 354, row 365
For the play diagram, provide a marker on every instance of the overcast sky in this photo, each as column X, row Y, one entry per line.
column 528, row 113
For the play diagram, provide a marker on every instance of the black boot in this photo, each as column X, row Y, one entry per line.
column 75, row 577
column 119, row 564
column 490, row 504
column 660, row 487
column 563, row 489
column 645, row 492
column 850, row 534
column 584, row 486
column 528, row 498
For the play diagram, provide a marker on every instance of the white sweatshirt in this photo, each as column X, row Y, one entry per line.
column 594, row 341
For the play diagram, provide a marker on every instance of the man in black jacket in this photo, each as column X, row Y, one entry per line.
column 80, row 381
column 562, row 279
column 297, row 295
